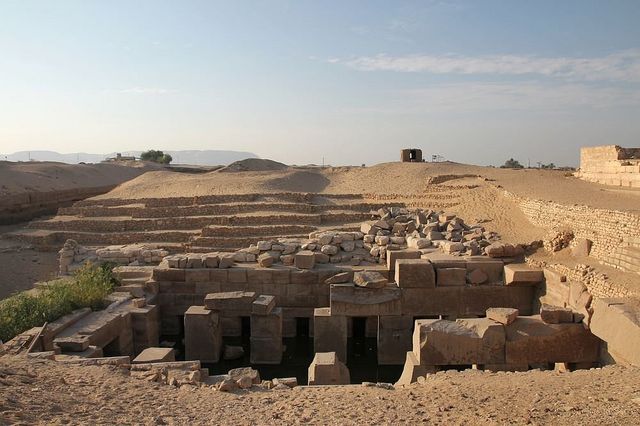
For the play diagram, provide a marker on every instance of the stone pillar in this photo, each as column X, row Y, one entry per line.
column 330, row 333
column 202, row 334
column 327, row 369
column 394, row 339
column 266, row 331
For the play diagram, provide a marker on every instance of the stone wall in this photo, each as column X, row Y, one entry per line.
column 607, row 229
column 25, row 206
column 610, row 165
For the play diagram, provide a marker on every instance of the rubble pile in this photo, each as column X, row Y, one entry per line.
column 394, row 228
column 74, row 255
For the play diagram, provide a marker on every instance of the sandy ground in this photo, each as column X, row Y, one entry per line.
column 388, row 178
column 43, row 392
column 21, row 177
column 22, row 266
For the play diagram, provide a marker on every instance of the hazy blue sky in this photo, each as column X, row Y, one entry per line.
column 353, row 81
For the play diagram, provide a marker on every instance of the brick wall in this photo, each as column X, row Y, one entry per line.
column 610, row 165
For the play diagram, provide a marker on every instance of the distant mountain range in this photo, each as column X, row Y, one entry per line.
column 206, row 157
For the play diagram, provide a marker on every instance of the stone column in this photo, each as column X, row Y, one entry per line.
column 202, row 334
column 330, row 333
column 266, row 331
column 394, row 339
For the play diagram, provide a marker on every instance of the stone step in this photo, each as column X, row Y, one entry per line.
column 53, row 239
column 221, row 198
column 235, row 243
column 140, row 211
column 133, row 272
column 257, row 231
column 120, row 224
column 625, row 258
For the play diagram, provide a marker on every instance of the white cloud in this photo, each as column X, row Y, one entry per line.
column 146, row 90
column 529, row 96
column 619, row 66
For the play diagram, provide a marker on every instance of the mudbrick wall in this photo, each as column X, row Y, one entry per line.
column 607, row 229
column 25, row 206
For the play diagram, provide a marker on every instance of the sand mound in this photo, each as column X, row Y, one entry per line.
column 254, row 165
column 298, row 181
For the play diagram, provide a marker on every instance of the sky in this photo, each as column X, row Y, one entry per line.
column 350, row 82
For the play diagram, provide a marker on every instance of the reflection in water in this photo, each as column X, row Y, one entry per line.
column 361, row 359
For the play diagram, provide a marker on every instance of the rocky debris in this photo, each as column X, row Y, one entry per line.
column 369, row 279
column 228, row 385
column 290, row 382
column 232, row 352
column 265, row 260
column 238, row 378
column 558, row 239
column 73, row 255
column 392, row 228
column 341, row 278
column 499, row 249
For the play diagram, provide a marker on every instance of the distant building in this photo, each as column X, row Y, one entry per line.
column 120, row 157
column 411, row 155
column 610, row 165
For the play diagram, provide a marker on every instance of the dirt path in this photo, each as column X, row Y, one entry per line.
column 49, row 393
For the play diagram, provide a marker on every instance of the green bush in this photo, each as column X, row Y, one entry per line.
column 87, row 288
column 156, row 156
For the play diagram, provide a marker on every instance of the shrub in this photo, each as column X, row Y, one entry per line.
column 87, row 288
column 156, row 156
column 512, row 164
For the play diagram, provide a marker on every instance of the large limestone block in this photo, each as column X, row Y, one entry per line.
column 268, row 325
column 555, row 314
column 531, row 341
column 393, row 255
column 236, row 301
column 155, row 355
column 305, row 259
column 503, row 315
column 493, row 268
column 327, row 369
column 461, row 342
column 263, row 305
column 349, row 300
column 415, row 273
column 451, row 277
column 522, row 274
column 617, row 322
column 413, row 369
column 330, row 333
column 202, row 334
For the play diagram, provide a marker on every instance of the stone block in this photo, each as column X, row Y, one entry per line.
column 266, row 350
column 494, row 268
column 259, row 276
column 503, row 315
column 305, row 259
column 218, row 275
column 263, row 304
column 231, row 326
column 168, row 274
column 327, row 369
column 531, row 341
column 155, row 355
column 555, row 314
column 394, row 339
column 460, row 342
column 303, row 277
column 522, row 274
column 330, row 333
column 237, row 301
column 196, row 275
column 415, row 273
column 413, row 369
column 269, row 325
column 237, row 275
column 369, row 279
column 393, row 255
column 617, row 322
column 446, row 277
column 202, row 334
column 346, row 299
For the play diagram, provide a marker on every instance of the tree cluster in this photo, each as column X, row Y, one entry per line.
column 156, row 156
